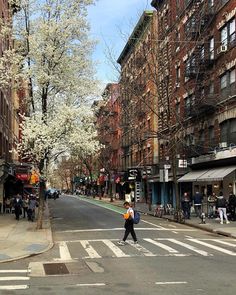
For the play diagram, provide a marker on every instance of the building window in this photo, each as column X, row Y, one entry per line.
column 223, row 81
column 178, row 74
column 211, row 88
column 228, row 131
column 211, row 48
column 232, row 77
column 227, row 33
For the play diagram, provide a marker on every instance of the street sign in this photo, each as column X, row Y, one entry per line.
column 132, row 174
column 183, row 164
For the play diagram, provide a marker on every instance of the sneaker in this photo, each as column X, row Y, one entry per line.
column 227, row 222
column 135, row 242
column 121, row 243
column 221, row 222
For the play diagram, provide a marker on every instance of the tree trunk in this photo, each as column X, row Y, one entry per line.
column 41, row 205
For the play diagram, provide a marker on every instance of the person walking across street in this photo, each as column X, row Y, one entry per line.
column 129, row 224
column 221, row 205
column 17, row 204
column 197, row 199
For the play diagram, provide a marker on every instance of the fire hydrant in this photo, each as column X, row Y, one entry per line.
column 203, row 218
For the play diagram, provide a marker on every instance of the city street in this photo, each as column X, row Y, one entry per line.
column 86, row 259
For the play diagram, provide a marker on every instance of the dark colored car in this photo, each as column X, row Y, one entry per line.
column 52, row 193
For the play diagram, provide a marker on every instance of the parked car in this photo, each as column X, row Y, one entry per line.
column 52, row 193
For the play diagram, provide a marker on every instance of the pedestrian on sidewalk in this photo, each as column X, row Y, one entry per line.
column 129, row 224
column 197, row 199
column 211, row 205
column 232, row 206
column 186, row 205
column 25, row 203
column 31, row 208
column 221, row 205
column 17, row 204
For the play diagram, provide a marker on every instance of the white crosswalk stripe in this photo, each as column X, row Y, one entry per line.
column 214, row 247
column 90, row 250
column 97, row 248
column 16, row 276
column 143, row 251
column 163, row 246
column 116, row 250
column 192, row 248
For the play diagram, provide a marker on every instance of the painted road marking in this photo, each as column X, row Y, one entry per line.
column 89, row 249
column 141, row 249
column 153, row 224
column 122, row 229
column 91, row 285
column 213, row 247
column 163, row 246
column 192, row 248
column 170, row 283
column 16, row 287
column 14, row 270
column 14, row 278
column 64, row 252
column 224, row 243
column 116, row 250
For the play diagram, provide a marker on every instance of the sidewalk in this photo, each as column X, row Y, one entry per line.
column 19, row 239
column 211, row 225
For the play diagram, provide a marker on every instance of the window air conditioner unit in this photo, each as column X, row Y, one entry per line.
column 223, row 144
column 222, row 48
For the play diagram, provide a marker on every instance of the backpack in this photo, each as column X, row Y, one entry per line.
column 136, row 217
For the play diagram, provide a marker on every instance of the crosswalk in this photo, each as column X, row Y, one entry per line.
column 104, row 248
column 14, row 279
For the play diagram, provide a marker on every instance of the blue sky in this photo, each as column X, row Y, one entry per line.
column 111, row 22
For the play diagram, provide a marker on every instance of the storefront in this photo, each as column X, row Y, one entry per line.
column 213, row 180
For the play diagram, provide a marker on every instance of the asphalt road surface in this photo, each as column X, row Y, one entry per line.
column 169, row 259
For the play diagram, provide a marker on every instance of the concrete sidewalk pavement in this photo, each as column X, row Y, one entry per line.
column 211, row 225
column 20, row 239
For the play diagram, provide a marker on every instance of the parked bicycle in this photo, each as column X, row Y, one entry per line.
column 179, row 216
column 159, row 211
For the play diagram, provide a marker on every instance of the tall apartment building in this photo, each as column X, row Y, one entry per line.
column 109, row 134
column 139, row 106
column 197, row 94
column 9, row 117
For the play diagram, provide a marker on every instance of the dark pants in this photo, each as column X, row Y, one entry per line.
column 24, row 211
column 31, row 214
column 129, row 229
column 18, row 212
column 186, row 208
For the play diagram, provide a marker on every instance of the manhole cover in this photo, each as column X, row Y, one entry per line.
column 55, row 269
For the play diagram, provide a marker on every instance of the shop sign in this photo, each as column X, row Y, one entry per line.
column 22, row 176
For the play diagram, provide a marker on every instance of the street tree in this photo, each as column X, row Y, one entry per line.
column 53, row 39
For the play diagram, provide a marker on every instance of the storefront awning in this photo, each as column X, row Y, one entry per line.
column 214, row 174
column 192, row 176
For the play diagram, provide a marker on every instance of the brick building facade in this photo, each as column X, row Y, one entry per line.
column 197, row 93
column 139, row 104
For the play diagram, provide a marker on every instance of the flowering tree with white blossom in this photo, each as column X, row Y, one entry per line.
column 53, row 39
